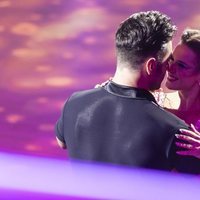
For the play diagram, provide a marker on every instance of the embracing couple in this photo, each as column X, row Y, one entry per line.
column 121, row 122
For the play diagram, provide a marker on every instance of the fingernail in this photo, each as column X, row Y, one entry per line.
column 192, row 126
column 177, row 135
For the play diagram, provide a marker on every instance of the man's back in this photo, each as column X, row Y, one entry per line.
column 121, row 125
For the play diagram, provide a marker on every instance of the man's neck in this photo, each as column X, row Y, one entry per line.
column 132, row 78
column 126, row 77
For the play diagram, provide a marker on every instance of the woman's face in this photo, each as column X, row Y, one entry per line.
column 183, row 72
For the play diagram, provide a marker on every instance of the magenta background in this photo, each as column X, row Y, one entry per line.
column 50, row 48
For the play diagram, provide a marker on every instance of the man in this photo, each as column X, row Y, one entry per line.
column 121, row 122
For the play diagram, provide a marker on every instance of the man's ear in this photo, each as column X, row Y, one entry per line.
column 150, row 65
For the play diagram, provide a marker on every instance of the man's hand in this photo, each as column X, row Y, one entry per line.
column 192, row 144
column 61, row 144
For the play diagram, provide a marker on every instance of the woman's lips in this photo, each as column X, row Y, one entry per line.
column 171, row 78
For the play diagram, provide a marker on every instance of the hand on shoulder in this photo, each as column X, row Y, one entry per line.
column 190, row 142
column 103, row 84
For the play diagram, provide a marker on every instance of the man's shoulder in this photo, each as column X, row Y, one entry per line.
column 82, row 93
column 83, row 97
column 168, row 117
column 87, row 94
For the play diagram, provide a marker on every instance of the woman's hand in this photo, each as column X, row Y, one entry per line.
column 192, row 145
column 103, row 84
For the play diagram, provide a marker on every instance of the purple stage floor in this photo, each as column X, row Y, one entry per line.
column 25, row 177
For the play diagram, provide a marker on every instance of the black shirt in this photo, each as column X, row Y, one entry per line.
column 122, row 125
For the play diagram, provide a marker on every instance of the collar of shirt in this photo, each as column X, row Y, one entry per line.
column 129, row 92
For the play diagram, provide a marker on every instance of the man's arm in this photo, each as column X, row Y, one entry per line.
column 60, row 134
column 59, row 130
column 61, row 144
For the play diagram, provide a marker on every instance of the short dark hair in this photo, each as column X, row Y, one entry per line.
column 191, row 38
column 143, row 34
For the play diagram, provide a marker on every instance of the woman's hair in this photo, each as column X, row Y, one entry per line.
column 191, row 38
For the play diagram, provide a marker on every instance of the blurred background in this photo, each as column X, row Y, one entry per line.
column 51, row 48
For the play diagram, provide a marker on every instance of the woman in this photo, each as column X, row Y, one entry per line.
column 184, row 76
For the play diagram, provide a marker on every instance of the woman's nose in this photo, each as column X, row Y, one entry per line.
column 171, row 67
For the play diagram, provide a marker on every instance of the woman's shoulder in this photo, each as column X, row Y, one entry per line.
column 168, row 100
